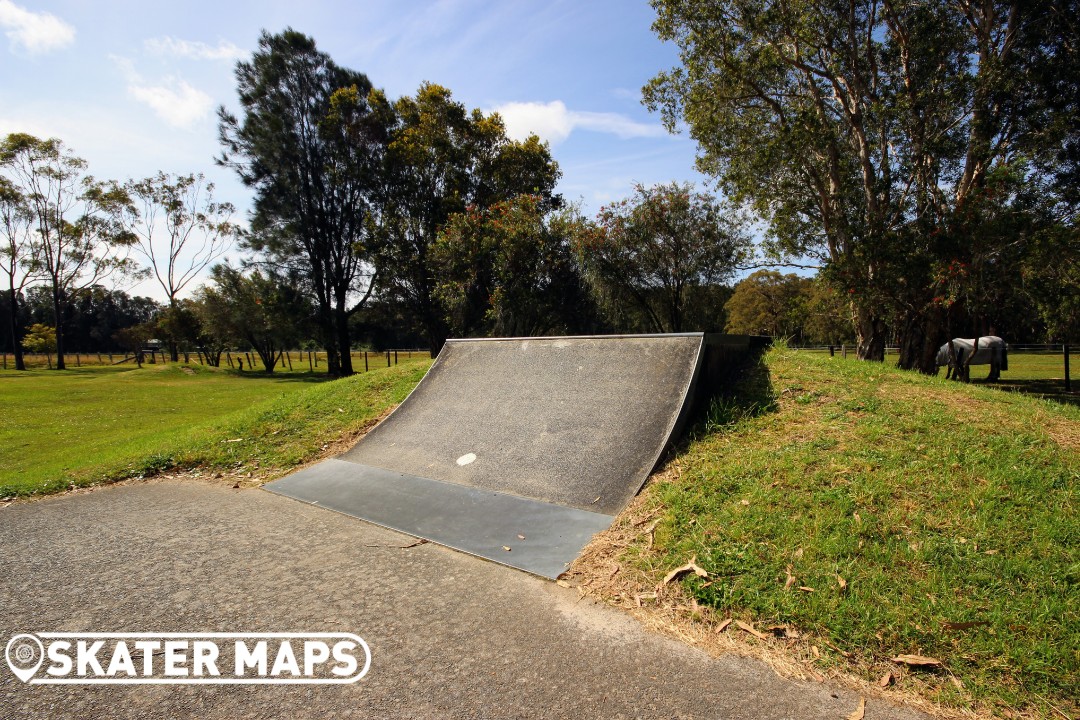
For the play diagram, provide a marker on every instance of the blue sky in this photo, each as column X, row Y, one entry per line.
column 132, row 87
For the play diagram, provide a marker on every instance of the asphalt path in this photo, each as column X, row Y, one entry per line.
column 451, row 636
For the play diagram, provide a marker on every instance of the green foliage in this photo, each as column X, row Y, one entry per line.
column 805, row 310
column 79, row 239
column 507, row 270
column 39, row 338
column 890, row 141
column 256, row 309
column 442, row 159
column 180, row 210
column 310, row 147
column 654, row 250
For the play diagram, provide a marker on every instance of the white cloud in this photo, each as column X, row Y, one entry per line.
column 554, row 122
column 36, row 32
column 193, row 49
column 176, row 102
column 173, row 99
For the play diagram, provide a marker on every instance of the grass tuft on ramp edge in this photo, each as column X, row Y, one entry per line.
column 866, row 513
column 267, row 436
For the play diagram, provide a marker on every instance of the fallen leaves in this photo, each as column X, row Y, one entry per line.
column 750, row 629
column 680, row 571
column 859, row 712
column 958, row 626
column 841, row 582
column 723, row 625
column 790, row 579
column 806, row 589
column 917, row 660
column 886, row 679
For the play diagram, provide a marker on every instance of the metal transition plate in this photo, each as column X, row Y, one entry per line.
column 543, row 437
column 538, row 537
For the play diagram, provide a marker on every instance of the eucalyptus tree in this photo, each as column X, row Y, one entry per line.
column 181, row 230
column 78, row 239
column 312, row 169
column 442, row 159
column 16, row 221
column 653, row 250
column 892, row 139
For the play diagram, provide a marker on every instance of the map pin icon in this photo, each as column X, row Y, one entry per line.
column 24, row 655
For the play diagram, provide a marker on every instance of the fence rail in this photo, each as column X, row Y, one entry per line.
column 294, row 360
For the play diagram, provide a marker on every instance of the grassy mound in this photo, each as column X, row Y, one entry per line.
column 880, row 513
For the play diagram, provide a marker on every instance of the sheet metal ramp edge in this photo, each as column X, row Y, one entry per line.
column 543, row 538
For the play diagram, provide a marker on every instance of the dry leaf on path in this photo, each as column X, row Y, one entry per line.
column 750, row 629
column 917, row 660
column 859, row 712
column 723, row 625
column 886, row 679
column 680, row 571
column 506, row 548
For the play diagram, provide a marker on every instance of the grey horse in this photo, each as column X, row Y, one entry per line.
column 960, row 353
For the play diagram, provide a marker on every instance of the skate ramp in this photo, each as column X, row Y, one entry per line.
column 518, row 449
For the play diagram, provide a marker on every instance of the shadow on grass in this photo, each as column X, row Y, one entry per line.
column 748, row 394
column 1045, row 388
column 290, row 376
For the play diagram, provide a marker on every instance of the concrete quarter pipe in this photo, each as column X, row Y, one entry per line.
column 517, row 449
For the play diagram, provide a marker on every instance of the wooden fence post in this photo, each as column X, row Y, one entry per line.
column 387, row 358
column 395, row 357
column 1068, row 380
column 832, row 351
column 365, row 361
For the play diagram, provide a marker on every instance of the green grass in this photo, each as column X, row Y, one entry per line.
column 89, row 425
column 937, row 503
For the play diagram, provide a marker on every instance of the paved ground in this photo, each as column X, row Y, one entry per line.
column 451, row 636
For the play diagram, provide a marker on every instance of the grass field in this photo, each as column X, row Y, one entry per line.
column 867, row 511
column 879, row 513
column 98, row 423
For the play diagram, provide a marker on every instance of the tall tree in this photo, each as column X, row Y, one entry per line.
column 509, row 270
column 654, row 249
column 16, row 220
column 440, row 160
column 312, row 167
column 768, row 303
column 256, row 309
column 864, row 132
column 181, row 229
column 78, row 237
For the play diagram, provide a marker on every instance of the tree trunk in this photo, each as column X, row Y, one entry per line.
column 870, row 334
column 922, row 335
column 58, row 307
column 344, row 344
column 13, row 320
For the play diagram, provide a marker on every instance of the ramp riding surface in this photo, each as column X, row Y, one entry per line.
column 518, row 449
